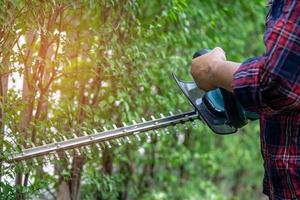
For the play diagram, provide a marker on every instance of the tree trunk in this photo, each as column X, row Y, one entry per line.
column 3, row 93
column 34, row 80
column 28, row 97
column 78, row 160
column 69, row 189
column 63, row 191
column 74, row 183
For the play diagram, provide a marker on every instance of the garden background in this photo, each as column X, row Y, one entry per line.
column 69, row 66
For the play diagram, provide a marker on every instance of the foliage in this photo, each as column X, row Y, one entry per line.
column 111, row 61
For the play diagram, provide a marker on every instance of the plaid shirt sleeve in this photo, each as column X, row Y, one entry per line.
column 271, row 83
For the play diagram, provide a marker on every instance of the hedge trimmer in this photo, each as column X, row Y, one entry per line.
column 217, row 108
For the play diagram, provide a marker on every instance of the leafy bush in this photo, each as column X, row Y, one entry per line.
column 113, row 62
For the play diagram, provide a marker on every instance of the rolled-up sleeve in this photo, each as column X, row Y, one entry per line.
column 271, row 83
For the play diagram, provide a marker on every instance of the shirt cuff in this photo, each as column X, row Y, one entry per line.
column 246, row 88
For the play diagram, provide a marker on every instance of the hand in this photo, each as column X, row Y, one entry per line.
column 204, row 68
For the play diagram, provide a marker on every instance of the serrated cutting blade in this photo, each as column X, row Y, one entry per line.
column 103, row 137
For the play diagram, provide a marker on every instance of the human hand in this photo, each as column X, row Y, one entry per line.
column 204, row 69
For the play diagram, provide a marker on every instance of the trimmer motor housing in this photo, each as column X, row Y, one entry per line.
column 217, row 108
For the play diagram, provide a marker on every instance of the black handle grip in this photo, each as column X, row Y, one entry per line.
column 201, row 53
column 234, row 113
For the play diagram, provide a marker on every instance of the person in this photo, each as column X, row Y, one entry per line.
column 269, row 85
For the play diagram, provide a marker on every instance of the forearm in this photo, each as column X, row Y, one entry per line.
column 223, row 73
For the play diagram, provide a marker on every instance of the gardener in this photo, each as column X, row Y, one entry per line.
column 269, row 85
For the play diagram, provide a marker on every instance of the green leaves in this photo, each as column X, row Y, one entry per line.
column 114, row 64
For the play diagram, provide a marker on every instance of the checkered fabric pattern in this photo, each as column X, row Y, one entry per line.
column 270, row 85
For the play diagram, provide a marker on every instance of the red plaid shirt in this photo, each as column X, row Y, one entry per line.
column 270, row 85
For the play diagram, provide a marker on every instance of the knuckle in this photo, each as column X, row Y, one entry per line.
column 218, row 49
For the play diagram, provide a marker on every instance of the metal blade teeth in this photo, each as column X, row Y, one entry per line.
column 64, row 138
column 119, row 142
column 167, row 131
column 88, row 149
column 148, row 137
column 77, row 152
column 185, row 127
column 51, row 157
column 98, row 146
column 193, row 124
column 137, row 137
column 157, row 133
column 46, row 159
column 128, row 139
column 108, row 144
column 68, row 155
column 55, row 142
column 56, row 156
column 35, row 162
column 104, row 139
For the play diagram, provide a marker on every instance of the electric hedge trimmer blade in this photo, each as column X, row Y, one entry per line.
column 105, row 136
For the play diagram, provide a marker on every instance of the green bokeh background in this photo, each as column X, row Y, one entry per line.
column 150, row 41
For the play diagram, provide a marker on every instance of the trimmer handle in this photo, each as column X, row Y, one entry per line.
column 234, row 112
column 201, row 53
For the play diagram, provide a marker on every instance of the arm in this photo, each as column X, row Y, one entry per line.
column 224, row 74
column 266, row 84
column 271, row 83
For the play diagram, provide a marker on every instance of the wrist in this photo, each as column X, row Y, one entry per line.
column 216, row 71
column 223, row 73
